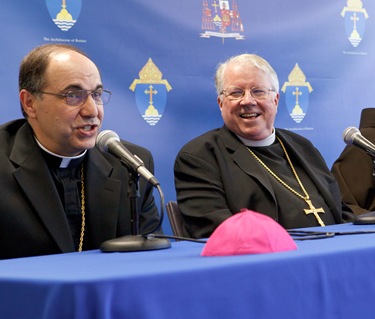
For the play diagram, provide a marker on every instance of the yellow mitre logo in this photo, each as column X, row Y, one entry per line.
column 150, row 74
column 297, row 78
column 354, row 6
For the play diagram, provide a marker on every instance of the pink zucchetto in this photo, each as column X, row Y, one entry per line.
column 248, row 232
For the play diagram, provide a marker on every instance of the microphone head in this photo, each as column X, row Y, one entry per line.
column 104, row 138
column 349, row 134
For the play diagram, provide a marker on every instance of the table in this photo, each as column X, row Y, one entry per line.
column 325, row 278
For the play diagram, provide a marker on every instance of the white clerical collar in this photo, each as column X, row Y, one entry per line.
column 265, row 142
column 65, row 160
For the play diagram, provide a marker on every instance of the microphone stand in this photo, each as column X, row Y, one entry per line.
column 135, row 241
column 133, row 193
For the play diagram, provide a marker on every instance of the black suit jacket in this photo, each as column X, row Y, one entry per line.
column 215, row 177
column 354, row 169
column 32, row 218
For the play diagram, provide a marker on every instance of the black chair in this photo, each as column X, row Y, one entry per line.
column 175, row 219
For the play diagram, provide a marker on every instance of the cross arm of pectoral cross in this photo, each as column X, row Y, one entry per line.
column 315, row 211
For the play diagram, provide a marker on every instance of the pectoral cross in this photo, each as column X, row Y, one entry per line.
column 315, row 211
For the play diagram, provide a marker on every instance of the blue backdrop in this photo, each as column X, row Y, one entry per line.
column 158, row 58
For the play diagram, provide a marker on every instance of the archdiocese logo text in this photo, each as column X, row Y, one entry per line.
column 150, row 92
column 297, row 92
column 64, row 13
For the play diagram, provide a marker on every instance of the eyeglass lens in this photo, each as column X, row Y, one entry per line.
column 79, row 97
column 235, row 93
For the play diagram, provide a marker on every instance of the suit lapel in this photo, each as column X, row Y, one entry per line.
column 245, row 160
column 310, row 168
column 36, row 182
column 103, row 195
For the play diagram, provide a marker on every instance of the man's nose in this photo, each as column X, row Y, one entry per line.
column 90, row 108
column 248, row 98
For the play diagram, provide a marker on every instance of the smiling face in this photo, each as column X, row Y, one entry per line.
column 249, row 118
column 63, row 129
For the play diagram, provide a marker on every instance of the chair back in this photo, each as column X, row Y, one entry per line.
column 175, row 219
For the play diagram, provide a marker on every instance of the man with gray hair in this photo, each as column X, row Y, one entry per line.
column 248, row 163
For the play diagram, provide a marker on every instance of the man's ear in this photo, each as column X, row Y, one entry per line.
column 28, row 103
column 220, row 102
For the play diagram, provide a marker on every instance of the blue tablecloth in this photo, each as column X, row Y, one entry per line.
column 325, row 278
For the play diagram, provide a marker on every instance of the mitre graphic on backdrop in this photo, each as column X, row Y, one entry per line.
column 221, row 18
column 297, row 92
column 64, row 13
column 150, row 92
column 355, row 21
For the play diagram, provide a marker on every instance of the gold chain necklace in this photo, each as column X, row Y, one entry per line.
column 82, row 210
column 306, row 198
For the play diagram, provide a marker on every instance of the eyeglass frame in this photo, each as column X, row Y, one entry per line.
column 88, row 92
column 267, row 90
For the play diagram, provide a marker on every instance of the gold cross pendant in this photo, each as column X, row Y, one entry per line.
column 315, row 211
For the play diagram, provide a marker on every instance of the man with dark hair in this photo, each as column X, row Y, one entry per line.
column 60, row 193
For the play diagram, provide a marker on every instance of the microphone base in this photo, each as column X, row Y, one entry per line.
column 134, row 243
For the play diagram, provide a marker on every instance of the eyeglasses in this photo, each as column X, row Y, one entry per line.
column 79, row 97
column 236, row 93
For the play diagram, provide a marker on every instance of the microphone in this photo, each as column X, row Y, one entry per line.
column 109, row 142
column 352, row 136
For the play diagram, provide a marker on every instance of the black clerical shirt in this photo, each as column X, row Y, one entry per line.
column 68, row 184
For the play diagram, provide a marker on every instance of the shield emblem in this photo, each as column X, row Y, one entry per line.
column 355, row 23
column 64, row 13
column 151, row 99
column 297, row 101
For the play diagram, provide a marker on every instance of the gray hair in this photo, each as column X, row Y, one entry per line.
column 246, row 60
